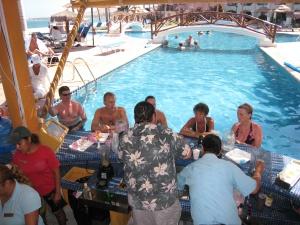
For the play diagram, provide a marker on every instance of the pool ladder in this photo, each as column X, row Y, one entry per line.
column 75, row 69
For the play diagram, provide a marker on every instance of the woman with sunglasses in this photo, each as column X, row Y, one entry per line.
column 39, row 163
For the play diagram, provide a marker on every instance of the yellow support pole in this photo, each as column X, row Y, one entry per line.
column 14, row 68
column 62, row 62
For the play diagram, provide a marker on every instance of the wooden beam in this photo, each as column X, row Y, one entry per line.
column 109, row 3
column 14, row 71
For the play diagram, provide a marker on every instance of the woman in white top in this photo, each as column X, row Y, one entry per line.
column 19, row 203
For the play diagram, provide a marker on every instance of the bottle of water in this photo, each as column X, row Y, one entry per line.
column 228, row 141
column 87, row 194
column 231, row 140
column 115, row 142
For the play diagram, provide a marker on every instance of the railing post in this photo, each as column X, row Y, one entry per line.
column 151, row 30
column 181, row 19
column 274, row 33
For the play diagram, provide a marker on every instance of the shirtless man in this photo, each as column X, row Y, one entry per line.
column 105, row 118
column 69, row 113
column 189, row 42
column 160, row 116
column 36, row 46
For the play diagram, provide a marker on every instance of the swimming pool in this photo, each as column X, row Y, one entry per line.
column 227, row 71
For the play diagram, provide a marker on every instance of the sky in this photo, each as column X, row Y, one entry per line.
column 42, row 8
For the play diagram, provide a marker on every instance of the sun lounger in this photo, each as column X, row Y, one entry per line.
column 292, row 66
column 110, row 46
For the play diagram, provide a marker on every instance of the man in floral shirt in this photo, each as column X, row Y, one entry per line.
column 149, row 152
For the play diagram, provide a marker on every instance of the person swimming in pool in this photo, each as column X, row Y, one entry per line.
column 200, row 124
column 246, row 131
column 189, row 42
column 106, row 118
column 181, row 46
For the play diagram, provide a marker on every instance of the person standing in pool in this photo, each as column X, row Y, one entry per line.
column 200, row 124
column 246, row 131
column 105, row 118
column 189, row 42
column 160, row 116
column 70, row 113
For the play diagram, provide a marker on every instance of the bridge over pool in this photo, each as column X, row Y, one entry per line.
column 215, row 21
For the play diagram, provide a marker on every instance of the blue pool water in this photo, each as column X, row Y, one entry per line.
column 227, row 71
column 286, row 38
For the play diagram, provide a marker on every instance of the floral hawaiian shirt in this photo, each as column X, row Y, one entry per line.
column 149, row 152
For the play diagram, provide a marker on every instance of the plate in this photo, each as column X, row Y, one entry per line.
column 81, row 144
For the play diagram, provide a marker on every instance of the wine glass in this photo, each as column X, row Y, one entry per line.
column 98, row 137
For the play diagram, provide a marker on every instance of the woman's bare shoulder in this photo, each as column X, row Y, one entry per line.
column 256, row 126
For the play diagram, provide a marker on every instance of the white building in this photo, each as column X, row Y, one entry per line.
column 284, row 15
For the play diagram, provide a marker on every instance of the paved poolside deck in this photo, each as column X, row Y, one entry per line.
column 285, row 52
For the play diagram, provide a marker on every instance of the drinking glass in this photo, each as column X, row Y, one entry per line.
column 121, row 126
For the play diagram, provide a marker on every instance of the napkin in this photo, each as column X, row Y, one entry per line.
column 239, row 156
column 81, row 144
column 291, row 173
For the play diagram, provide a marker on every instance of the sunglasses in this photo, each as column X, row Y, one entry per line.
column 67, row 94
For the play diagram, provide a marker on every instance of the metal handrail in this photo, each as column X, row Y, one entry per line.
column 79, row 58
column 75, row 69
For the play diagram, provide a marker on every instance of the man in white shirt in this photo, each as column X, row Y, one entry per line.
column 39, row 77
column 212, row 182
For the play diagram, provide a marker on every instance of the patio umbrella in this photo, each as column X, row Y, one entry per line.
column 64, row 16
column 283, row 9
